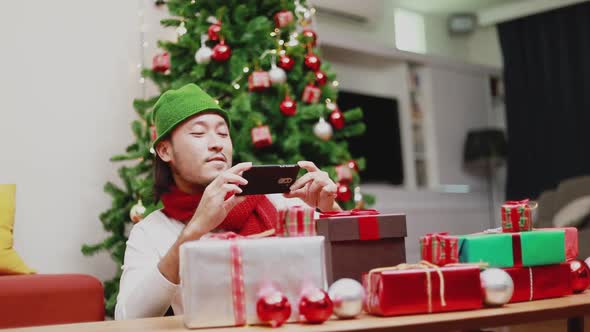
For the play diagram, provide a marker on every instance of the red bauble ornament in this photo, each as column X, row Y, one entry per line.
column 161, row 62
column 288, row 106
column 312, row 61
column 320, row 78
column 261, row 136
column 343, row 193
column 311, row 94
column 259, row 80
column 221, row 52
column 273, row 308
column 580, row 276
column 309, row 36
column 337, row 119
column 353, row 165
column 214, row 30
column 286, row 62
column 283, row 18
column 315, row 306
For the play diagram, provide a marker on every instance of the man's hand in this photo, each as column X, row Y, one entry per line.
column 217, row 201
column 315, row 188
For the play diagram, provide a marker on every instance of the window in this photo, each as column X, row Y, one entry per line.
column 409, row 31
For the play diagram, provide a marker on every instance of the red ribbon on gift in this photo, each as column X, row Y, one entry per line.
column 368, row 223
column 516, row 249
column 237, row 271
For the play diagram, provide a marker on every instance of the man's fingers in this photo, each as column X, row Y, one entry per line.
column 302, row 181
column 241, row 167
column 231, row 202
column 308, row 165
column 231, row 188
column 233, row 178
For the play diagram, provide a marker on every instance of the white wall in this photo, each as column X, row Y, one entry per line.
column 67, row 84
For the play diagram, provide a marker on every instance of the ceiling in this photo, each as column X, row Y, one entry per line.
column 449, row 6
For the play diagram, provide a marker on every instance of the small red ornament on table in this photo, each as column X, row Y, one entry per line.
column 580, row 276
column 221, row 52
column 283, row 18
column 315, row 306
column 288, row 106
column 286, row 62
column 214, row 30
column 258, row 81
column 161, row 62
column 273, row 307
column 261, row 136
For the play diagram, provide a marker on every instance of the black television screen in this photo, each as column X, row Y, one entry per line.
column 381, row 143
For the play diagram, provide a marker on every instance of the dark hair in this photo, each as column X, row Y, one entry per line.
column 163, row 179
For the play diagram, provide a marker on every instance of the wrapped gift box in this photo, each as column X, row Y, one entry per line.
column 517, row 216
column 358, row 241
column 210, row 274
column 538, row 247
column 540, row 282
column 421, row 290
column 439, row 248
column 296, row 221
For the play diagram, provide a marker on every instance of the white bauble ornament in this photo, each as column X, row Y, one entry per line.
column 323, row 130
column 497, row 286
column 203, row 55
column 137, row 212
column 348, row 296
column 277, row 75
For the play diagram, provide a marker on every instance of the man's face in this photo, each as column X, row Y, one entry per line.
column 199, row 149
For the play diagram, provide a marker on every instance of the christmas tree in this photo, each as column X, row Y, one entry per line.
column 258, row 58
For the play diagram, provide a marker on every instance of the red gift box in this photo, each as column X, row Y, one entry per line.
column 422, row 288
column 439, row 248
column 259, row 81
column 540, row 282
column 283, row 18
column 517, row 216
column 311, row 94
column 261, row 136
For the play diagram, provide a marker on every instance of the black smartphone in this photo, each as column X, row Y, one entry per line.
column 269, row 179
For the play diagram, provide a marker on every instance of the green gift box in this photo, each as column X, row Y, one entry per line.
column 539, row 247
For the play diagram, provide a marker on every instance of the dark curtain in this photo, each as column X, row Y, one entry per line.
column 547, row 84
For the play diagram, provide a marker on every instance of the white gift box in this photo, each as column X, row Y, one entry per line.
column 207, row 283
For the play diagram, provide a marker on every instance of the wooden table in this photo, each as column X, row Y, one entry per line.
column 573, row 308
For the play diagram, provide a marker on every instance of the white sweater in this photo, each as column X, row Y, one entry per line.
column 144, row 291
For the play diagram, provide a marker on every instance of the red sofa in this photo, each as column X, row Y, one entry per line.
column 45, row 299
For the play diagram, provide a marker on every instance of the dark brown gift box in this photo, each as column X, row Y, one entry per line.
column 349, row 256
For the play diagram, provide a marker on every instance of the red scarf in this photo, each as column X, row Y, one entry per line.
column 255, row 215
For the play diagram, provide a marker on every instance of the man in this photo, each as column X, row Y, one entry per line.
column 196, row 183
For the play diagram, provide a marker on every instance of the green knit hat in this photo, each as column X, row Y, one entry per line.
column 175, row 106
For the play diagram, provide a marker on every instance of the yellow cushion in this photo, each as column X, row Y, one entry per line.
column 10, row 261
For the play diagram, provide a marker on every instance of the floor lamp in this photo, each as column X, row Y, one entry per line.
column 484, row 152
